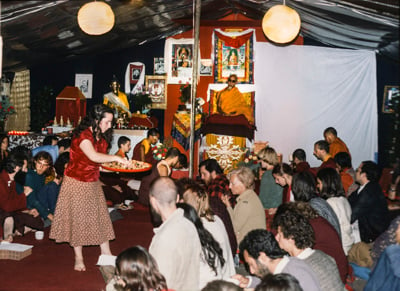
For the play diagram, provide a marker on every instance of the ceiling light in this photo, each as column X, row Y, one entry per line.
column 96, row 18
column 281, row 24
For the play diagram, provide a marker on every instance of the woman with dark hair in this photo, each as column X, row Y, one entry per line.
column 346, row 171
column 283, row 174
column 81, row 216
column 304, row 189
column 212, row 260
column 330, row 188
column 136, row 269
column 196, row 195
column 4, row 142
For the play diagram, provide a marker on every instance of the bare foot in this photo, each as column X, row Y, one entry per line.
column 9, row 238
column 79, row 265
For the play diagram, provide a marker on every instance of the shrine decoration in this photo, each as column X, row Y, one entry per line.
column 233, row 54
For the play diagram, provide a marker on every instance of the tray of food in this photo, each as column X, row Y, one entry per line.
column 133, row 167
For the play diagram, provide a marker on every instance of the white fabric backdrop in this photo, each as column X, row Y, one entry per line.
column 301, row 90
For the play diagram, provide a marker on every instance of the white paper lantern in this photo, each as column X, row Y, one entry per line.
column 281, row 24
column 96, row 18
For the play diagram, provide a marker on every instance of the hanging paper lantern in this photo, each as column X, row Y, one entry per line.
column 281, row 24
column 96, row 18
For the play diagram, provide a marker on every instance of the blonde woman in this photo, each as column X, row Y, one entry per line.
column 248, row 213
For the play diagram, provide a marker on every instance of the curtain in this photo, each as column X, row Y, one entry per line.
column 20, row 98
column 303, row 89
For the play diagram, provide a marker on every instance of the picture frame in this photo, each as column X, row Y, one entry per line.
column 178, row 54
column 159, row 68
column 157, row 88
column 206, row 68
column 388, row 94
column 85, row 83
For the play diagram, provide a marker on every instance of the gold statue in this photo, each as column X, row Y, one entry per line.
column 116, row 99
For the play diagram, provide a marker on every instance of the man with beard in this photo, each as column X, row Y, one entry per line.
column 218, row 186
column 175, row 245
column 263, row 255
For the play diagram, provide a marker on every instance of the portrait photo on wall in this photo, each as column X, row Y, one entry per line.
column 85, row 83
column 159, row 68
column 233, row 54
column 178, row 63
column 206, row 67
column 390, row 94
column 157, row 88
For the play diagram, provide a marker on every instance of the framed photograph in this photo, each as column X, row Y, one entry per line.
column 178, row 63
column 159, row 68
column 157, row 88
column 85, row 83
column 390, row 92
column 206, row 67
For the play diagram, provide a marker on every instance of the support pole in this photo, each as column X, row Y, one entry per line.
column 196, row 48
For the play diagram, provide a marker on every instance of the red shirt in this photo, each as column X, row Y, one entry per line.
column 79, row 166
column 10, row 200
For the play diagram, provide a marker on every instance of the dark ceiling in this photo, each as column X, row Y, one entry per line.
column 47, row 31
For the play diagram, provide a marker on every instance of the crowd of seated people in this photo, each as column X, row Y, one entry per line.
column 302, row 228
column 30, row 182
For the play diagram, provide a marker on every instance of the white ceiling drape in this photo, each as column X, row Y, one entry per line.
column 301, row 90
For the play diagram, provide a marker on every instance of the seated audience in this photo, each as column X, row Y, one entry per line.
column 386, row 274
column 279, row 282
column 321, row 152
column 136, row 269
column 218, row 186
column 336, row 145
column 197, row 196
column 327, row 239
column 296, row 236
column 162, row 169
column 14, row 214
column 35, row 179
column 270, row 192
column 142, row 151
column 124, row 146
column 248, row 213
column 346, row 171
column 368, row 204
column 48, row 194
column 299, row 162
column 283, row 174
column 304, row 189
column 212, row 260
column 330, row 188
column 263, row 255
column 175, row 245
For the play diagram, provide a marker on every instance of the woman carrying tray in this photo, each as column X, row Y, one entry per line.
column 81, row 217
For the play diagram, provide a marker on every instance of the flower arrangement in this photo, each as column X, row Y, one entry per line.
column 6, row 108
column 250, row 158
column 186, row 90
column 159, row 151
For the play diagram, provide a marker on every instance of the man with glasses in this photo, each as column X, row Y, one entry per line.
column 230, row 101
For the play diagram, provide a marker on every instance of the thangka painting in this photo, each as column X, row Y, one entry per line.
column 233, row 54
column 178, row 56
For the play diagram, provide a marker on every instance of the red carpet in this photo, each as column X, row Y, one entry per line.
column 50, row 266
